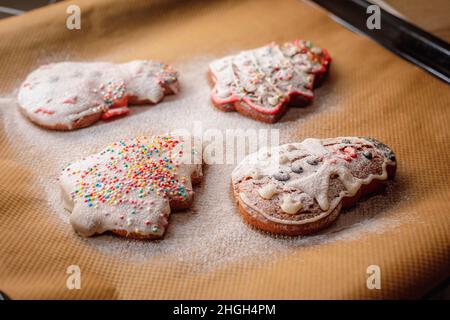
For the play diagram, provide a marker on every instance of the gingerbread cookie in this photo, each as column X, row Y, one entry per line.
column 72, row 95
column 263, row 82
column 131, row 186
column 300, row 188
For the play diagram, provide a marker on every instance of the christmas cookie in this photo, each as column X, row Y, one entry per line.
column 300, row 188
column 263, row 82
column 72, row 95
column 131, row 186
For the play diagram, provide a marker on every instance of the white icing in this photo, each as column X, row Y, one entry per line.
column 268, row 191
column 243, row 197
column 314, row 180
column 266, row 76
column 314, row 147
column 143, row 211
column 290, row 206
column 60, row 93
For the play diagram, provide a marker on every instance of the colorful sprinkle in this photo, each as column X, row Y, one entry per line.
column 141, row 174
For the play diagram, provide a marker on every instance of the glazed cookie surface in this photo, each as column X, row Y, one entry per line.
column 131, row 186
column 72, row 95
column 262, row 83
column 300, row 188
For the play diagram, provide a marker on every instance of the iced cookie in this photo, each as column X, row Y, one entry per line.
column 262, row 83
column 300, row 188
column 72, row 95
column 131, row 186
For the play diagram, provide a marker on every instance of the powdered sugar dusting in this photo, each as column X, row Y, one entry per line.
column 212, row 232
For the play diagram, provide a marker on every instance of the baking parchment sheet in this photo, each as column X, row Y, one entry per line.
column 370, row 92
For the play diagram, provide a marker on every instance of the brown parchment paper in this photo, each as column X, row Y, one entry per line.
column 379, row 95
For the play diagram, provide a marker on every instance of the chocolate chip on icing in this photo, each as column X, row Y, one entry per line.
column 367, row 154
column 347, row 141
column 281, row 176
column 297, row 167
column 391, row 156
column 312, row 161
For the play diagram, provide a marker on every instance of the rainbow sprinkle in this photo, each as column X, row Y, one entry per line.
column 113, row 92
column 134, row 170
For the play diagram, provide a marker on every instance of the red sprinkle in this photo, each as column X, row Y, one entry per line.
column 44, row 111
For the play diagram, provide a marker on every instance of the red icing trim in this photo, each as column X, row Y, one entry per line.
column 115, row 112
column 325, row 60
column 122, row 102
column 232, row 99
